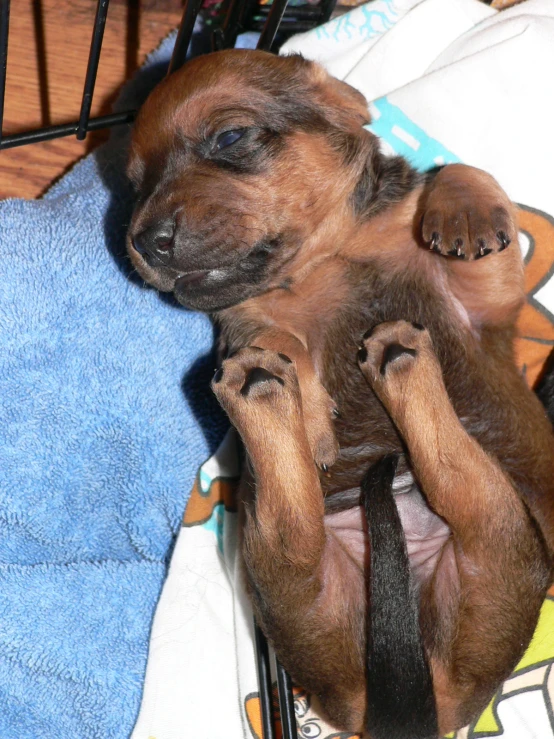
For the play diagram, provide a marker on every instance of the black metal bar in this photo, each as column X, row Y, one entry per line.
column 302, row 13
column 4, row 27
column 66, row 129
column 218, row 40
column 271, row 27
column 190, row 13
column 242, row 15
column 92, row 66
column 264, row 680
column 246, row 12
column 40, row 40
column 232, row 24
column 327, row 7
column 289, row 27
column 286, row 702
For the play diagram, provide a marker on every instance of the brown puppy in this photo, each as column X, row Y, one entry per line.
column 263, row 201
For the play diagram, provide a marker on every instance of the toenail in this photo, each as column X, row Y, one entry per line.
column 504, row 240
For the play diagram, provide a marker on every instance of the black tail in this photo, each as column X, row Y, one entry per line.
column 401, row 702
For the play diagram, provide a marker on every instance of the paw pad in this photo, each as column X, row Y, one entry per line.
column 257, row 376
column 393, row 352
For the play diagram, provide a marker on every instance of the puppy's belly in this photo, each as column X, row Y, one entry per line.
column 427, row 535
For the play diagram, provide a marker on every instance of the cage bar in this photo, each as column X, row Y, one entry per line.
column 92, row 66
column 286, row 702
column 307, row 12
column 327, row 7
column 242, row 15
column 264, row 681
column 190, row 14
column 65, row 129
column 232, row 25
column 267, row 37
column 4, row 29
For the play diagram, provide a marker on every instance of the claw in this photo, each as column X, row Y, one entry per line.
column 483, row 251
column 458, row 244
column 435, row 242
column 503, row 239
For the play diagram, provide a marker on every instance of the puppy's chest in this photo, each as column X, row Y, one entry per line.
column 364, row 429
column 374, row 297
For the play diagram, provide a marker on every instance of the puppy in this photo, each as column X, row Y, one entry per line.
column 263, row 201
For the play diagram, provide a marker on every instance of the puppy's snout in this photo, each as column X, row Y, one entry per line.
column 156, row 240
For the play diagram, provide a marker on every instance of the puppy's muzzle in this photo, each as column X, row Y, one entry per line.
column 155, row 243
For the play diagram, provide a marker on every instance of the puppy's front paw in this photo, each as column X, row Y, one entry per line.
column 467, row 215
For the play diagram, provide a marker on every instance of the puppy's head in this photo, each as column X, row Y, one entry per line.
column 242, row 161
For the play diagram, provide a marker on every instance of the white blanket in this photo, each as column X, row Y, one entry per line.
column 448, row 81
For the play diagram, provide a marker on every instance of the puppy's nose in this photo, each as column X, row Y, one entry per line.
column 156, row 240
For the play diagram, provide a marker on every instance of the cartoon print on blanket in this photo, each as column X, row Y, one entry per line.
column 399, row 135
column 309, row 723
column 527, row 694
column 536, row 321
column 369, row 20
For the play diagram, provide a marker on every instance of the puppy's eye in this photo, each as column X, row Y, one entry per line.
column 228, row 138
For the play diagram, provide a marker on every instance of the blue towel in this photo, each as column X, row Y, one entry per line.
column 105, row 415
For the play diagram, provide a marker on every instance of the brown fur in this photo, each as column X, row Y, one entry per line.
column 298, row 238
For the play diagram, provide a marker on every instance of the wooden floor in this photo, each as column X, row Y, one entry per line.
column 48, row 50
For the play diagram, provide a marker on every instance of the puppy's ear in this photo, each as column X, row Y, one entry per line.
column 344, row 106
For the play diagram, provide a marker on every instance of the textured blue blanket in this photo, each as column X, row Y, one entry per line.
column 105, row 415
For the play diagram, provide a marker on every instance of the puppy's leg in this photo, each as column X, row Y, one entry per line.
column 466, row 216
column 480, row 601
column 318, row 408
column 308, row 592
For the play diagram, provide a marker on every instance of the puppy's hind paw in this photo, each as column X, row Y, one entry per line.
column 319, row 412
column 254, row 374
column 259, row 391
column 391, row 350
